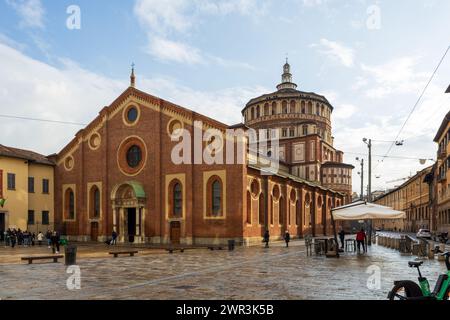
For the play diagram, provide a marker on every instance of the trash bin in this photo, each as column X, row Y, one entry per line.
column 70, row 255
column 231, row 244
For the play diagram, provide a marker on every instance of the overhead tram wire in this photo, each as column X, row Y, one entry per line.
column 42, row 120
column 416, row 104
column 391, row 157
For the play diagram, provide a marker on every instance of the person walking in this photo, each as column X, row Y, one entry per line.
column 55, row 242
column 342, row 237
column 48, row 236
column 266, row 238
column 114, row 237
column 360, row 240
column 287, row 238
column 13, row 238
column 40, row 237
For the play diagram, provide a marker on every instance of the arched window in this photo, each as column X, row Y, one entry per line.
column 303, row 106
column 292, row 106
column 253, row 113
column 177, row 200
column 258, row 111
column 266, row 109
column 274, row 108
column 249, row 208
column 216, row 198
column 281, row 211
column 284, row 107
column 261, row 209
column 310, row 107
column 317, row 109
column 94, row 202
column 69, row 204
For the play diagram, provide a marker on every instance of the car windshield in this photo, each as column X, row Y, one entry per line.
column 424, row 230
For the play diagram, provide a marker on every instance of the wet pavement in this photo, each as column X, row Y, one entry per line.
column 247, row 273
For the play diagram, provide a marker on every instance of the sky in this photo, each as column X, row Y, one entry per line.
column 66, row 60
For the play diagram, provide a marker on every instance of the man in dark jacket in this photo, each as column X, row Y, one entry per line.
column 55, row 242
column 266, row 238
column 287, row 238
column 342, row 237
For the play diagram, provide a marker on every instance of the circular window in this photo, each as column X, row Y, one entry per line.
column 293, row 195
column 134, row 156
column 174, row 128
column 276, row 192
column 132, row 114
column 68, row 163
column 94, row 141
column 255, row 188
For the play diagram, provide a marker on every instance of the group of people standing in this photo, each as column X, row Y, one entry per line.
column 361, row 239
column 25, row 238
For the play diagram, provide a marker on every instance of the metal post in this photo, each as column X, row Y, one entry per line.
column 362, row 179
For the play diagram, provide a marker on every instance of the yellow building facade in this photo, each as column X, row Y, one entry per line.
column 26, row 190
column 442, row 177
column 412, row 197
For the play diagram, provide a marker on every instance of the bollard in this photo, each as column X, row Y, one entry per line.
column 415, row 249
column 430, row 254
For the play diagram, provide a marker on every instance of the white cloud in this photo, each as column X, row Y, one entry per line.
column 336, row 51
column 168, row 50
column 396, row 76
column 164, row 18
column 344, row 111
column 71, row 93
column 31, row 12
column 313, row 3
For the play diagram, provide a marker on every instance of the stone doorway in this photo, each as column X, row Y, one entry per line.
column 128, row 201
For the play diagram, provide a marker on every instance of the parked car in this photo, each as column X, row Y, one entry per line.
column 424, row 233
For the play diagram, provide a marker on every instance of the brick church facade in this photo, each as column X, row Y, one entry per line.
column 118, row 173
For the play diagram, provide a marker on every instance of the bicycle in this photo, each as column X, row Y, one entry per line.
column 409, row 290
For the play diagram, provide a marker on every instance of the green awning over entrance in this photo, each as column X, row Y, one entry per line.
column 137, row 188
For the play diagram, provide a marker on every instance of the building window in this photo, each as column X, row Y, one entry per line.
column 216, row 198
column 45, row 218
column 45, row 186
column 274, row 108
column 134, row 156
column 284, row 133
column 11, row 181
column 291, row 132
column 177, row 200
column 30, row 184
column 69, row 203
column 94, row 202
column 284, row 107
column 261, row 206
column 249, row 208
column 132, row 114
column 305, row 130
column 30, row 217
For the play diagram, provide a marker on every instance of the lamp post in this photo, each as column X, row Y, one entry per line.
column 369, row 186
column 362, row 177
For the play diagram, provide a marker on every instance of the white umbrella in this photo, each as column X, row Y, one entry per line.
column 362, row 210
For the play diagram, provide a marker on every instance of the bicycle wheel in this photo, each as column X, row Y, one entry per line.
column 403, row 290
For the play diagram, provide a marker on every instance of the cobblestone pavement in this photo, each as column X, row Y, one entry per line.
column 246, row 273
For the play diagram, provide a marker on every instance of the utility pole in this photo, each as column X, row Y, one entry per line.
column 361, row 196
column 369, row 187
